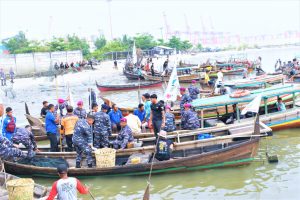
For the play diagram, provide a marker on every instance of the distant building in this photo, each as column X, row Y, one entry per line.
column 162, row 50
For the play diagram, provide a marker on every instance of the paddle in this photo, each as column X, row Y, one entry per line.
column 56, row 88
column 92, row 196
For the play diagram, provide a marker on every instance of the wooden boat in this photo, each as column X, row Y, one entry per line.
column 131, row 75
column 186, row 156
column 182, row 76
column 276, row 120
column 130, row 86
column 260, row 81
column 38, row 128
column 39, row 190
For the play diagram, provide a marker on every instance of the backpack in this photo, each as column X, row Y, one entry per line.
column 11, row 125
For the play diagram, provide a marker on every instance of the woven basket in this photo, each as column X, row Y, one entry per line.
column 20, row 189
column 105, row 157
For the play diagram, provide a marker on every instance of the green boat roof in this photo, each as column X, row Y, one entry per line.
column 223, row 100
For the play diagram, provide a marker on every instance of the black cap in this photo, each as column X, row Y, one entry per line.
column 104, row 107
column 62, row 169
column 146, row 95
column 8, row 109
column 94, row 104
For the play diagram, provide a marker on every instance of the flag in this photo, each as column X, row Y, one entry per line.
column 173, row 86
column 253, row 106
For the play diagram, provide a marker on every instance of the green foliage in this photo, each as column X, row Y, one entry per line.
column 144, row 41
column 75, row 43
column 16, row 43
column 100, row 42
column 177, row 43
column 199, row 46
column 115, row 45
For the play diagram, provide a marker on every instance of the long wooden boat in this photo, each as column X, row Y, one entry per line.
column 38, row 192
column 269, row 114
column 237, row 152
column 260, row 81
column 185, row 78
column 131, row 86
column 131, row 75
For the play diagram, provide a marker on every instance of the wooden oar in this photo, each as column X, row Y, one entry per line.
column 92, row 196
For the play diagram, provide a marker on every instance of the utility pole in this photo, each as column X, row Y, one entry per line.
column 110, row 22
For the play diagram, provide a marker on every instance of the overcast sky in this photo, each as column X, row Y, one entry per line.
column 42, row 18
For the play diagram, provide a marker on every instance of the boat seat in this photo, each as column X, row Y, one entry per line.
column 212, row 122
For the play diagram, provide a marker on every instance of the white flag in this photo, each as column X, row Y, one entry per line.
column 173, row 86
column 253, row 106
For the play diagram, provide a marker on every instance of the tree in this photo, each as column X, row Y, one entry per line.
column 127, row 41
column 58, row 44
column 144, row 41
column 100, row 42
column 75, row 43
column 199, row 46
column 161, row 42
column 16, row 43
column 174, row 42
column 115, row 45
column 186, row 45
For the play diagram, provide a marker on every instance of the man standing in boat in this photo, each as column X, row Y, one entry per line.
column 170, row 120
column 51, row 127
column 124, row 137
column 44, row 109
column 189, row 118
column 80, row 111
column 68, row 123
column 83, row 140
column 185, row 98
column 157, row 115
column 92, row 96
column 102, row 128
column 62, row 104
column 193, row 90
column 25, row 136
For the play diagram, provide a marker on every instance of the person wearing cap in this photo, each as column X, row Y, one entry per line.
column 185, row 98
column 66, row 187
column 157, row 115
column 83, row 140
column 141, row 114
column 62, row 104
column 147, row 105
column 68, row 123
column 25, row 136
column 193, row 90
column 115, row 116
column 80, row 111
column 44, row 109
column 170, row 120
column 189, row 118
column 124, row 137
column 51, row 123
column 9, row 124
column 102, row 128
column 164, row 147
column 133, row 122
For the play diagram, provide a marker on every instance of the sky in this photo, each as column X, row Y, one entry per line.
column 43, row 19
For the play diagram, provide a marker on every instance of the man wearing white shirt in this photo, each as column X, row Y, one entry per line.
column 219, row 81
column 133, row 122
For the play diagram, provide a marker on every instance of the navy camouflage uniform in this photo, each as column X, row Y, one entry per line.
column 123, row 138
column 189, row 120
column 22, row 135
column 80, row 112
column 102, row 129
column 193, row 91
column 184, row 99
column 7, row 150
column 61, row 108
column 81, row 138
column 170, row 122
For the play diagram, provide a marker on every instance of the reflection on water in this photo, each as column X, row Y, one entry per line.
column 260, row 180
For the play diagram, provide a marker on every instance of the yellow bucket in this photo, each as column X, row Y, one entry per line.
column 105, row 157
column 20, row 189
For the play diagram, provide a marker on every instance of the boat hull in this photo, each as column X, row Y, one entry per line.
column 103, row 88
column 238, row 154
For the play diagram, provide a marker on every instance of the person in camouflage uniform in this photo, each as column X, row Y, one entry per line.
column 185, row 98
column 8, row 150
column 80, row 111
column 83, row 139
column 189, row 118
column 193, row 90
column 62, row 104
column 124, row 137
column 102, row 129
column 25, row 137
column 170, row 120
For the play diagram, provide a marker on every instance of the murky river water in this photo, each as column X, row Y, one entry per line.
column 260, row 180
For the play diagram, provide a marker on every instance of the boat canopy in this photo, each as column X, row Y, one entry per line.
column 224, row 100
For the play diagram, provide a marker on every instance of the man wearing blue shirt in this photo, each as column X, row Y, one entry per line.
column 147, row 105
column 115, row 116
column 141, row 113
column 51, row 128
column 9, row 124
